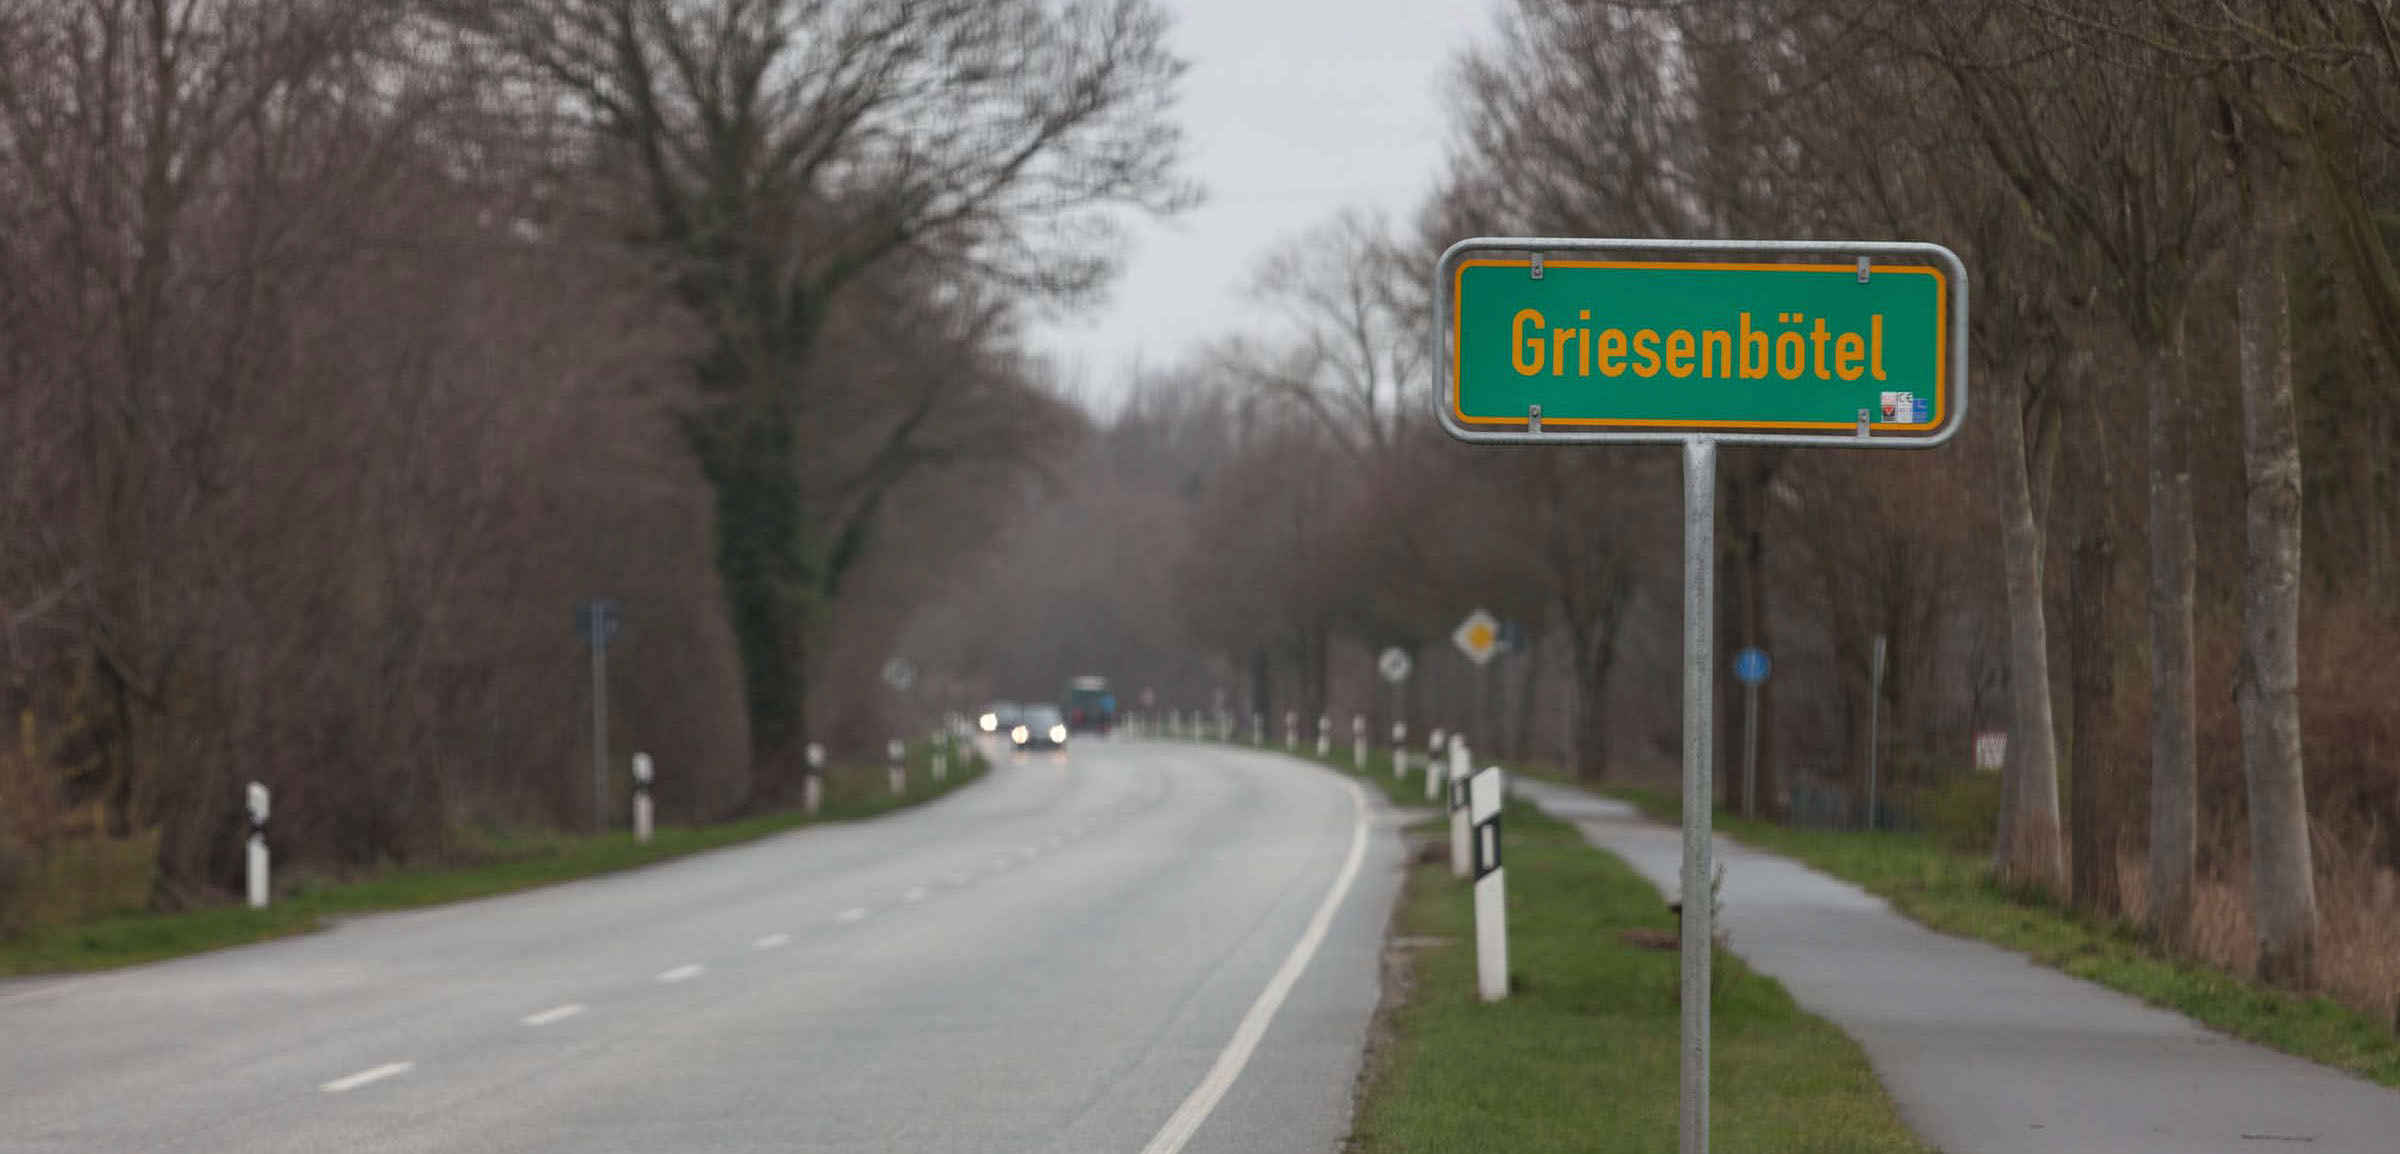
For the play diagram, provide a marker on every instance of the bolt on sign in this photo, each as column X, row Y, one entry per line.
column 1867, row 350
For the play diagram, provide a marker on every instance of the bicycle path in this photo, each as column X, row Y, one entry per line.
column 1985, row 1051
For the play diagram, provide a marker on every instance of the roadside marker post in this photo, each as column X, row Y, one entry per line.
column 812, row 786
column 1433, row 766
column 254, row 849
column 641, row 798
column 1324, row 735
column 1400, row 749
column 1258, row 730
column 1699, row 343
column 1291, row 729
column 1485, row 795
column 1461, row 853
column 941, row 757
column 896, row 752
column 1358, row 741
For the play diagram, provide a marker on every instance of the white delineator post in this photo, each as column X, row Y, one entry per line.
column 255, row 847
column 1258, row 729
column 812, row 787
column 641, row 798
column 1291, row 729
column 1433, row 766
column 1462, row 861
column 1399, row 749
column 1358, row 741
column 941, row 757
column 1324, row 735
column 1484, row 796
column 896, row 753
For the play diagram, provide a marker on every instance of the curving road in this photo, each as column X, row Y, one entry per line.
column 1137, row 947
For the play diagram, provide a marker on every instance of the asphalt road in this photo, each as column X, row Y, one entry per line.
column 1124, row 948
column 1986, row 1052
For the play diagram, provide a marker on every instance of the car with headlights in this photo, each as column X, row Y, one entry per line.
column 1041, row 727
column 1000, row 718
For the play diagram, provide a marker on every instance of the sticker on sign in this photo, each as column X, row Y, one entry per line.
column 1478, row 637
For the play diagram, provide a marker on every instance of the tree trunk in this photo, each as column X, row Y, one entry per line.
column 2174, row 797
column 747, row 457
column 2267, row 683
column 2026, row 850
column 2095, row 824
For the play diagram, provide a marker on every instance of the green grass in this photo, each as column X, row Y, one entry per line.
column 1583, row 1055
column 506, row 864
column 1930, row 880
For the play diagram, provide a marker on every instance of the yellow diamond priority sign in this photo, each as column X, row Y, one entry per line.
column 1478, row 637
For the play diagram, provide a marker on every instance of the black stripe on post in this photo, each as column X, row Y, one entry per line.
column 1487, row 847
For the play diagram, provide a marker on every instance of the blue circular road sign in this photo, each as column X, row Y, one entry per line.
column 1751, row 666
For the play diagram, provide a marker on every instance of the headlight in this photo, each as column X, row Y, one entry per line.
column 990, row 722
column 1019, row 734
column 1058, row 733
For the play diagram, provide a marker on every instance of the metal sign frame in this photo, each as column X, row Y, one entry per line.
column 1699, row 444
column 1535, row 431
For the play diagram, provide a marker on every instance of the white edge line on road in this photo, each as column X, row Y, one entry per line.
column 852, row 915
column 771, row 941
column 379, row 1073
column 683, row 973
column 1204, row 1098
column 553, row 1014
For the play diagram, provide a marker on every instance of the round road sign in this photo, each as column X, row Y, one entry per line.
column 1394, row 664
column 1751, row 666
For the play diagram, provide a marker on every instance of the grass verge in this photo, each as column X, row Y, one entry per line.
column 1952, row 891
column 507, row 864
column 1583, row 1055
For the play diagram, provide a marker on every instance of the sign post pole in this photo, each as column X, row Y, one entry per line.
column 1699, row 792
column 1750, row 667
column 599, row 641
column 1874, row 726
column 1699, row 343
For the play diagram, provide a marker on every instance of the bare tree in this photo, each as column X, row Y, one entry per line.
column 774, row 151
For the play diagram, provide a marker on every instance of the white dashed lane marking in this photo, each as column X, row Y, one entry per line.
column 683, row 973
column 771, row 941
column 553, row 1014
column 363, row 1077
column 853, row 915
column 913, row 894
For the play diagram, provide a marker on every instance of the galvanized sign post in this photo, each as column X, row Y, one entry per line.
column 596, row 623
column 1833, row 344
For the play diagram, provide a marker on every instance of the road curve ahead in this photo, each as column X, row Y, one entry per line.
column 1135, row 946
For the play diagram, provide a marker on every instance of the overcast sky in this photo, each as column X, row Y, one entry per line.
column 1292, row 110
